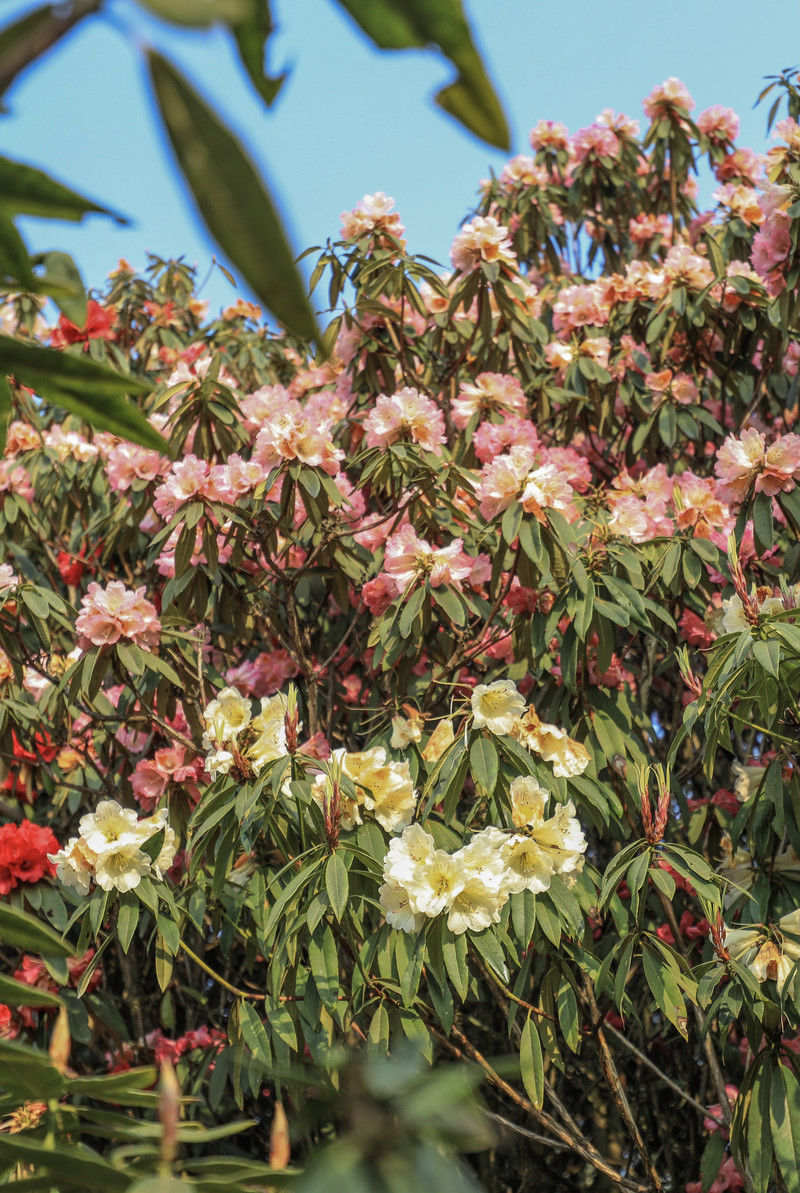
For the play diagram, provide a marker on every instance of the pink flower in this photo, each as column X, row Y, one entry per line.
column 152, row 776
column 371, row 216
column 14, row 479
column 185, row 482
column 671, row 98
column 720, row 125
column 406, row 414
column 489, row 392
column 548, row 134
column 115, row 612
column 502, row 480
column 727, row 1180
column 482, row 239
column 127, row 463
column 748, row 461
column 409, row 558
column 491, row 439
column 682, row 267
column 149, row 783
column 289, row 434
column 264, row 675
column 594, row 142
column 379, row 593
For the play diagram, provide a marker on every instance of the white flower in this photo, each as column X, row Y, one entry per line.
column 270, row 726
column 404, row 731
column 767, row 958
column 166, row 855
column 746, row 779
column 111, row 828
column 225, row 717
column 74, row 865
column 475, row 906
column 408, row 853
column 383, row 788
column 733, row 617
column 528, row 801
column 219, row 762
column 541, row 848
column 496, row 706
column 397, row 908
column 434, row 885
column 121, row 870
column 569, row 757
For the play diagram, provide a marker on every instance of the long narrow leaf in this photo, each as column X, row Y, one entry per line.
column 82, row 386
column 24, row 190
column 232, row 199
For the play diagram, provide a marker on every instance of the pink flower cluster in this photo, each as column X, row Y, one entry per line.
column 747, row 462
column 406, row 414
column 153, row 776
column 483, row 239
column 409, row 559
column 114, row 613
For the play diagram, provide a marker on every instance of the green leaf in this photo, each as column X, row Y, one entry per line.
column 78, row 384
column 197, row 14
column 784, row 1117
column 15, row 264
column 254, row 1032
column 412, row 24
column 759, row 1135
column 24, row 190
column 323, row 959
column 72, row 1167
column 484, row 763
column 20, row 994
column 337, row 884
column 252, row 33
column 231, row 199
column 5, row 411
column 712, row 1159
column 531, row 1064
column 26, row 932
column 26, row 39
column 768, row 655
column 127, row 918
column 163, row 1183
column 70, row 297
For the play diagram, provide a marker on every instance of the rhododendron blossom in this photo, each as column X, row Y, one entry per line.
column 115, row 613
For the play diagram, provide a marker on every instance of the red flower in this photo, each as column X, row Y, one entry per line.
column 43, row 751
column 694, row 630
column 23, row 854
column 70, row 568
column 99, row 326
column 8, row 1028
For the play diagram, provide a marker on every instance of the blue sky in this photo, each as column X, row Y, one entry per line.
column 351, row 119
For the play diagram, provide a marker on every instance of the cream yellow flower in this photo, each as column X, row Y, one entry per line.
column 496, row 706
column 439, row 740
column 568, row 757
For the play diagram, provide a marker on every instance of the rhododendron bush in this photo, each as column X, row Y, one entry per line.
column 435, row 696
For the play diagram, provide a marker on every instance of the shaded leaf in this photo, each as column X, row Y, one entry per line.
column 24, row 190
column 251, row 33
column 76, row 383
column 231, row 199
column 406, row 24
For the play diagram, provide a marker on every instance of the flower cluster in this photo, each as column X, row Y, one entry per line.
column 24, row 850
column 473, row 884
column 236, row 740
column 109, row 849
column 377, row 785
column 116, row 613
